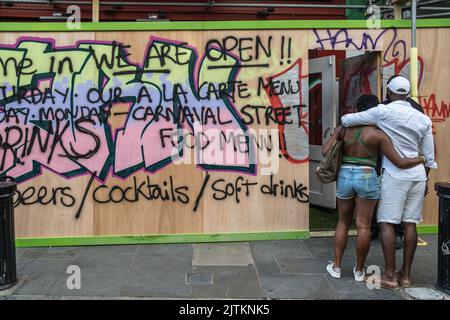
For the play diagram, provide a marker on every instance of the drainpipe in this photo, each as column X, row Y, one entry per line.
column 95, row 10
column 397, row 12
column 413, row 61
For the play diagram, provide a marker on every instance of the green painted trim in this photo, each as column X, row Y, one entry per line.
column 163, row 238
column 433, row 23
column 100, row 26
column 217, row 25
column 427, row 229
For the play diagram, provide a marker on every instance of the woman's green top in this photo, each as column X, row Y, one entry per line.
column 370, row 160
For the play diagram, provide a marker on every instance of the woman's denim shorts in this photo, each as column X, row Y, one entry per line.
column 357, row 181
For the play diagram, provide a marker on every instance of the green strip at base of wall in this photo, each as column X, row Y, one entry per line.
column 178, row 238
column 217, row 25
column 427, row 229
column 165, row 238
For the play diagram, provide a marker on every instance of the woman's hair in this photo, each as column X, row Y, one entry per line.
column 366, row 101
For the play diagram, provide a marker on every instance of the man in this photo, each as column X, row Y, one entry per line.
column 398, row 227
column 402, row 190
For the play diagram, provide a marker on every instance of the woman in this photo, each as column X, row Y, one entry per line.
column 358, row 188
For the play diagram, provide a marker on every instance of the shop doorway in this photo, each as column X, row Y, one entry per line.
column 336, row 80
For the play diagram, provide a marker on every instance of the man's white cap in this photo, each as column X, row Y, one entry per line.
column 399, row 85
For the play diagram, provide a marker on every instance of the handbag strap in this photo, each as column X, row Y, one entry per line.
column 341, row 134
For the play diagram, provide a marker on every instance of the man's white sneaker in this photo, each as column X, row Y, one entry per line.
column 359, row 275
column 334, row 271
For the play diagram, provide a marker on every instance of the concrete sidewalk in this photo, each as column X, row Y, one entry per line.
column 292, row 269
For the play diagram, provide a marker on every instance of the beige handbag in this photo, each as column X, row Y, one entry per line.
column 331, row 163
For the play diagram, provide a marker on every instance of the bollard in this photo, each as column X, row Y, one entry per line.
column 8, row 275
column 443, row 279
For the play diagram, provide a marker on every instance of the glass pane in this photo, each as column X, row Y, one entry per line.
column 315, row 109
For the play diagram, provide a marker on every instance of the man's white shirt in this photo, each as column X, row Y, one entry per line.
column 409, row 130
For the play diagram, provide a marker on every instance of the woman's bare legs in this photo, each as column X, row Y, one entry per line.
column 345, row 210
column 364, row 211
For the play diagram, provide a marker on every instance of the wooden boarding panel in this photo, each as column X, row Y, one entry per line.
column 433, row 46
column 151, row 212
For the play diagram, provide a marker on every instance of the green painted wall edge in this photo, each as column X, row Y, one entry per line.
column 216, row 25
column 165, row 238
column 178, row 238
column 427, row 229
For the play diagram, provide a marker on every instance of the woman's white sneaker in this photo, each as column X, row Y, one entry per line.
column 334, row 271
column 359, row 275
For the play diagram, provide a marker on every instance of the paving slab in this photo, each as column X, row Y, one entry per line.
column 159, row 271
column 99, row 281
column 297, row 266
column 22, row 263
column 39, row 276
column 53, row 253
column 424, row 271
column 298, row 287
column 348, row 288
column 324, row 248
column 205, row 278
column 270, row 250
column 158, row 286
column 267, row 253
column 220, row 254
column 431, row 240
column 107, row 255
column 229, row 282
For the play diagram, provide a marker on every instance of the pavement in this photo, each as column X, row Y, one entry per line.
column 290, row 269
